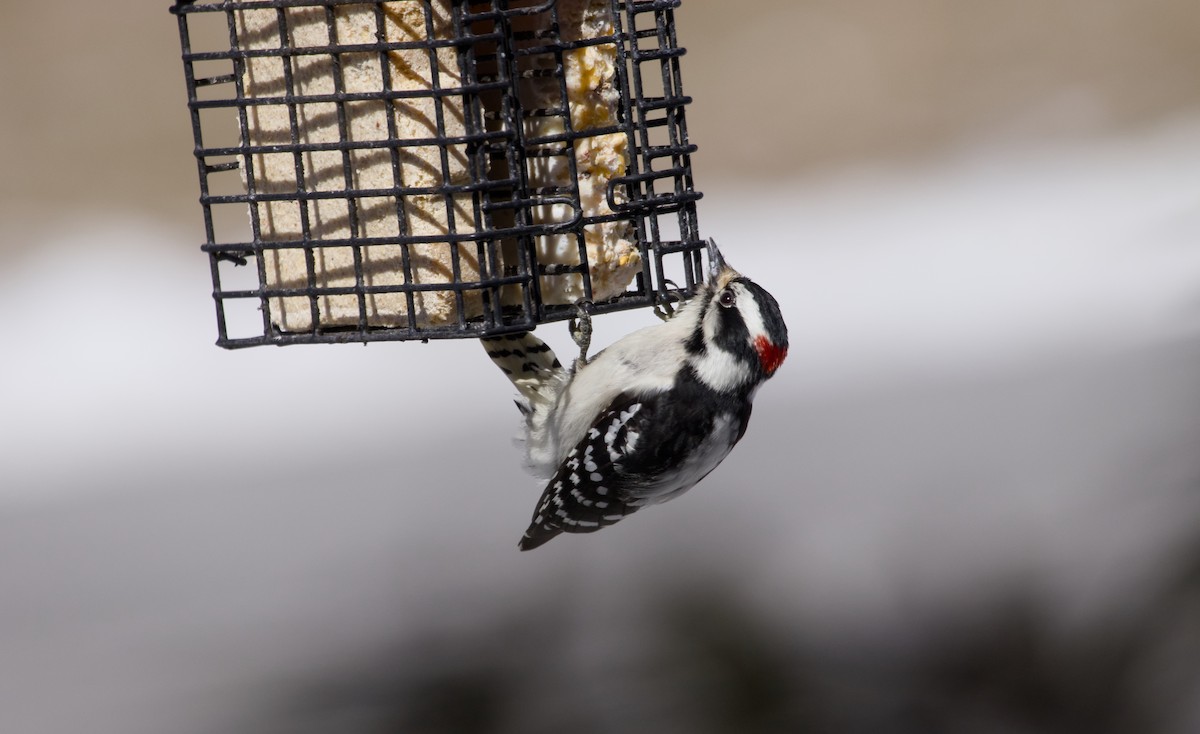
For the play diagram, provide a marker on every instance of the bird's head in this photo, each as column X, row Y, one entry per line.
column 741, row 337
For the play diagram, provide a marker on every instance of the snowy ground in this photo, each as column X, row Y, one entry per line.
column 992, row 383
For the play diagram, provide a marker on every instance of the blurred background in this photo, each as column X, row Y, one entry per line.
column 969, row 502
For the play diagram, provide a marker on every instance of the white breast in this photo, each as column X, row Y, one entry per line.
column 642, row 363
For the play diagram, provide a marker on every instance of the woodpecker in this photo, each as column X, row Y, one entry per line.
column 648, row 417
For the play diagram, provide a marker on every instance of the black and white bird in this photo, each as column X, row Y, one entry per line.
column 650, row 416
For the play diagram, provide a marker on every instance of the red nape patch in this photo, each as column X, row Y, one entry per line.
column 770, row 355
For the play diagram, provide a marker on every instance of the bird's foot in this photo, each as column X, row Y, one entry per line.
column 581, row 330
column 664, row 306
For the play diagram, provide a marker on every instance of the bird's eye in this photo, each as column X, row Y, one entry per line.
column 726, row 298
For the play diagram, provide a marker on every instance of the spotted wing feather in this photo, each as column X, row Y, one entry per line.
column 629, row 459
column 590, row 490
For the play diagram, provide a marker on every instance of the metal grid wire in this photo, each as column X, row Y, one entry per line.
column 353, row 258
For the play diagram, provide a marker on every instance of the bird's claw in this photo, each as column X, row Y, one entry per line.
column 581, row 330
column 664, row 307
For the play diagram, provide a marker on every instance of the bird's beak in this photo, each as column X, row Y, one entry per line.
column 716, row 263
column 719, row 272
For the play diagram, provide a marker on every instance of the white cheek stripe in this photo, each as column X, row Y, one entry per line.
column 751, row 312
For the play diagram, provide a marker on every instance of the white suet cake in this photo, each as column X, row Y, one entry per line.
column 424, row 215
column 592, row 99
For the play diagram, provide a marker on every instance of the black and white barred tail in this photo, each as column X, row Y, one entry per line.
column 529, row 363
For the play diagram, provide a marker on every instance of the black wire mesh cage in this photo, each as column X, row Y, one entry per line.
column 437, row 168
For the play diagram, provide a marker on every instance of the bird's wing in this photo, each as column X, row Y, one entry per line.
column 626, row 460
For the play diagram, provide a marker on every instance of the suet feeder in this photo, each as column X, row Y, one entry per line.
column 428, row 169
